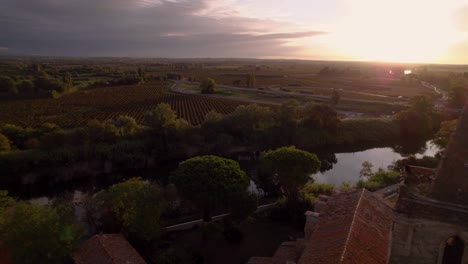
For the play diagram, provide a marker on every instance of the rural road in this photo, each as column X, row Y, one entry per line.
column 176, row 88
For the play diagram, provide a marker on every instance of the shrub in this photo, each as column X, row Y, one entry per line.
column 379, row 180
column 316, row 189
column 4, row 143
column 208, row 86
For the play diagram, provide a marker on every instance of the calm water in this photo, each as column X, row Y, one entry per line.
column 343, row 165
column 348, row 165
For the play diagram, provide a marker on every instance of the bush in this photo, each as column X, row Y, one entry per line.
column 379, row 180
column 369, row 130
column 292, row 211
column 208, row 86
column 316, row 189
column 4, row 143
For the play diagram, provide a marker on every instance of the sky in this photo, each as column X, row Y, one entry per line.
column 427, row 31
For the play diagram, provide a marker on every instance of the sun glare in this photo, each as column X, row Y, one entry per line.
column 393, row 31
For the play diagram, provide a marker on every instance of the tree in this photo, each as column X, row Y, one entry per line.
column 446, row 130
column 366, row 170
column 290, row 168
column 250, row 80
column 126, row 125
column 210, row 182
column 16, row 134
column 4, row 143
column 135, row 206
column 67, row 81
column 286, row 119
column 421, row 104
column 413, row 123
column 458, row 96
column 320, row 116
column 35, row 234
column 162, row 117
column 208, row 86
column 335, row 98
column 7, row 85
column 25, row 87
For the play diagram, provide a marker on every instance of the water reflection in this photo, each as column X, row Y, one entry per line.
column 348, row 165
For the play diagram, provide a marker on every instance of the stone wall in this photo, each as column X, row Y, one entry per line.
column 421, row 241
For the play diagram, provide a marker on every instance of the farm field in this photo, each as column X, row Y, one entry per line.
column 73, row 110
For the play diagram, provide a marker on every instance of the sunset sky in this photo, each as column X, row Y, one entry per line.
column 429, row 31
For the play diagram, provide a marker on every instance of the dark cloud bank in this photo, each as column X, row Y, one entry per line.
column 135, row 28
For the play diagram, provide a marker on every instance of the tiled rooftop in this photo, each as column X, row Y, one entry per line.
column 107, row 249
column 355, row 228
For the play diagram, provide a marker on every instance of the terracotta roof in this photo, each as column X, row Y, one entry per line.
column 355, row 228
column 107, row 249
column 451, row 180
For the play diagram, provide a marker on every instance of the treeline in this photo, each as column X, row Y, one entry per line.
column 163, row 137
column 40, row 84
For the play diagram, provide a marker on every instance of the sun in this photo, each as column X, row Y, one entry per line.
column 396, row 31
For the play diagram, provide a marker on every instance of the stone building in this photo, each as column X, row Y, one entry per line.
column 431, row 214
column 427, row 224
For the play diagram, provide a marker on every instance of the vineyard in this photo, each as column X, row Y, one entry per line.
column 76, row 109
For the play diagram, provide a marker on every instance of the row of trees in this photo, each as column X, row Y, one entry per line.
column 41, row 83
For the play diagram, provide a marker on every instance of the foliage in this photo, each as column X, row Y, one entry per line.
column 366, row 170
column 126, row 126
column 316, row 189
column 425, row 161
column 458, row 96
column 210, row 181
column 421, row 104
column 16, row 134
column 289, row 168
column 250, row 81
column 369, row 130
column 4, row 143
column 292, row 211
column 345, row 187
column 335, row 98
column 243, row 205
column 446, row 130
column 135, row 206
column 208, row 86
column 34, row 234
column 320, row 116
column 378, row 180
column 162, row 117
column 413, row 123
column 7, row 85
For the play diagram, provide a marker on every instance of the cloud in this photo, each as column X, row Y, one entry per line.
column 141, row 28
column 3, row 49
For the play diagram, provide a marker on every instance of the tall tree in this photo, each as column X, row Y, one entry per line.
column 35, row 234
column 135, row 206
column 290, row 168
column 335, row 98
column 208, row 86
column 7, row 85
column 210, row 182
column 458, row 96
